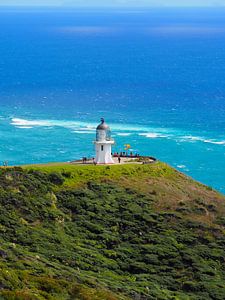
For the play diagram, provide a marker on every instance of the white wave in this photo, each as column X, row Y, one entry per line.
column 24, row 123
column 215, row 142
column 51, row 123
column 154, row 135
column 181, row 166
column 192, row 138
column 90, row 128
column 76, row 125
column 203, row 139
column 81, row 127
column 123, row 134
column 83, row 132
column 24, row 127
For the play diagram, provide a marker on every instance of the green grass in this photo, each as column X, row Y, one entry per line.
column 127, row 175
column 82, row 173
column 109, row 232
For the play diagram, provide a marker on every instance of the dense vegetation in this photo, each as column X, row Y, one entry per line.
column 118, row 232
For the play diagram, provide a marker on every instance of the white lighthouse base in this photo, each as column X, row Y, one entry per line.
column 103, row 152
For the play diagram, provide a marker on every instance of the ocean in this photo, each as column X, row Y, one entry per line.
column 156, row 75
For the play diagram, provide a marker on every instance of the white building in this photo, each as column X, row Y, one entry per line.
column 103, row 144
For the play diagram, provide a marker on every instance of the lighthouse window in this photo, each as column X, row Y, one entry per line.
column 102, row 148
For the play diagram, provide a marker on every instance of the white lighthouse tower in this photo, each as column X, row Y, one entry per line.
column 103, row 144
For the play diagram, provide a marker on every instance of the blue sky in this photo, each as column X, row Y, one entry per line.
column 116, row 2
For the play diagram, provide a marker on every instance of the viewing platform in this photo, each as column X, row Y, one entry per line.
column 117, row 160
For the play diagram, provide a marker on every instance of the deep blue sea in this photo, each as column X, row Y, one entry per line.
column 156, row 75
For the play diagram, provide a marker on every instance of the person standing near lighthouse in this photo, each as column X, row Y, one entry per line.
column 103, row 144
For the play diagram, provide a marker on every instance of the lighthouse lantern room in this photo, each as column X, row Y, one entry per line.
column 103, row 144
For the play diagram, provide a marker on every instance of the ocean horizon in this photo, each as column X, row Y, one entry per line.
column 155, row 75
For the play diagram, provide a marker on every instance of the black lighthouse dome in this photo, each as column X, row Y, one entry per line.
column 103, row 131
column 103, row 125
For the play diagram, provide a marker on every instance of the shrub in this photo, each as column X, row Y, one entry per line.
column 56, row 178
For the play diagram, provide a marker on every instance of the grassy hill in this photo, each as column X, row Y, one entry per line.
column 109, row 232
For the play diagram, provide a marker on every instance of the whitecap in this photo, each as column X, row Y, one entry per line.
column 24, row 123
column 50, row 123
column 83, row 132
column 215, row 142
column 153, row 135
column 76, row 125
column 123, row 134
column 193, row 138
column 81, row 127
column 202, row 139
column 24, row 127
column 181, row 166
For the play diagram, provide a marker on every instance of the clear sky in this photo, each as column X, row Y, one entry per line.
column 115, row 2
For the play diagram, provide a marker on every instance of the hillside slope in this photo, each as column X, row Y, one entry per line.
column 113, row 233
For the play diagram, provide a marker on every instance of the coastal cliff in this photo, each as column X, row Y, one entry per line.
column 109, row 232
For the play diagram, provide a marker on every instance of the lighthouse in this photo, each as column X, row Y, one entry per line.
column 103, row 144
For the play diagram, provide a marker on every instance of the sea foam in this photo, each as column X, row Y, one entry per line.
column 81, row 127
column 153, row 135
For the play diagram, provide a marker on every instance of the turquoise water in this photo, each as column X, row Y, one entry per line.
column 157, row 76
